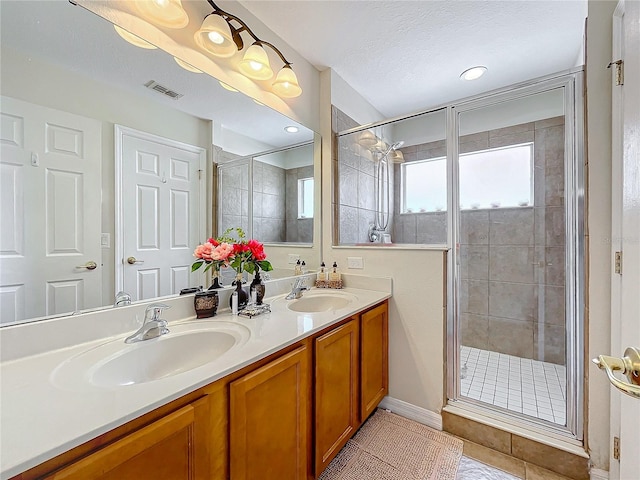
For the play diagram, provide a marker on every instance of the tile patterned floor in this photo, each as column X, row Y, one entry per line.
column 470, row 469
column 531, row 387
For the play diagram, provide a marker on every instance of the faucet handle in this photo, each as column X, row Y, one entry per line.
column 156, row 310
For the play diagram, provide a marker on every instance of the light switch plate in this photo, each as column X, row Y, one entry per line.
column 355, row 262
column 293, row 258
column 105, row 240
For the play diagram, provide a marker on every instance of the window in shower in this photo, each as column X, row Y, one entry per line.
column 492, row 178
column 518, row 306
column 305, row 198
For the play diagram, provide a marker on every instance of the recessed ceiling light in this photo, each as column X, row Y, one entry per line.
column 473, row 73
column 291, row 129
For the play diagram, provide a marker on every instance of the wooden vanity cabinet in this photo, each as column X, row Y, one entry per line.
column 270, row 418
column 284, row 417
column 336, row 390
column 171, row 447
column 374, row 358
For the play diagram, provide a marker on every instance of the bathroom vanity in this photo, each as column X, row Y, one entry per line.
column 280, row 403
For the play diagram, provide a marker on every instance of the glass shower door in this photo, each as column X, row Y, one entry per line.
column 512, row 320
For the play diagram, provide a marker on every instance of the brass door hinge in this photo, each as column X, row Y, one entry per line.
column 618, row 263
column 616, row 448
column 619, row 71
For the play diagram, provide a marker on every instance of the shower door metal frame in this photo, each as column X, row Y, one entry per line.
column 572, row 83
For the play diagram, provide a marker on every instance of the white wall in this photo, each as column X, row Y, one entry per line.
column 599, row 224
column 48, row 85
column 416, row 316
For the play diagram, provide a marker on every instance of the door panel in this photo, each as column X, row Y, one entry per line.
column 50, row 213
column 162, row 213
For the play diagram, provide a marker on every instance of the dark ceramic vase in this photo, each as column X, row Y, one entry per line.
column 258, row 286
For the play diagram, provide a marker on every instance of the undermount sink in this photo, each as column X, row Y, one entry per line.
column 187, row 346
column 316, row 301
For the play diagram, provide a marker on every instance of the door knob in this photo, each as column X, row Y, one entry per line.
column 89, row 265
column 629, row 365
column 132, row 261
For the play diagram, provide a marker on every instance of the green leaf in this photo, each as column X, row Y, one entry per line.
column 196, row 265
column 265, row 265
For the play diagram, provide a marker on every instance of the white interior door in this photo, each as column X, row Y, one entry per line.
column 162, row 213
column 50, row 211
column 625, row 292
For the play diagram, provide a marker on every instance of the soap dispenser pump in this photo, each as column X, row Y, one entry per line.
column 335, row 278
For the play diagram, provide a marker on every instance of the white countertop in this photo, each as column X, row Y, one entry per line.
column 40, row 419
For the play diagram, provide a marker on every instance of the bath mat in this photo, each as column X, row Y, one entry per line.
column 390, row 447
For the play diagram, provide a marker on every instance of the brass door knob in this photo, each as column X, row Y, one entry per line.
column 132, row 261
column 89, row 265
column 629, row 365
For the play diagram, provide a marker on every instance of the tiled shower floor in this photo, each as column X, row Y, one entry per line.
column 531, row 387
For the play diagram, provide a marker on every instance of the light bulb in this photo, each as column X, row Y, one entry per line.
column 286, row 84
column 255, row 63
column 166, row 13
column 216, row 38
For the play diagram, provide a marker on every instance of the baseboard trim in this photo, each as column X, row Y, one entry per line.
column 412, row 412
column 597, row 474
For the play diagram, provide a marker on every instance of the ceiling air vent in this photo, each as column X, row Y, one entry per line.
column 153, row 85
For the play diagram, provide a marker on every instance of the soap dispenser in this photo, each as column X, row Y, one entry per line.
column 335, row 278
column 321, row 276
column 297, row 270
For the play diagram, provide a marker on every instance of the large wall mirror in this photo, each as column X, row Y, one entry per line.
column 76, row 100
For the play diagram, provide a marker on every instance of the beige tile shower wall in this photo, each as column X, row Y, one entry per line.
column 512, row 259
column 269, row 202
column 356, row 193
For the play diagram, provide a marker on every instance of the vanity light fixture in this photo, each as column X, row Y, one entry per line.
column 227, row 87
column 166, row 13
column 220, row 35
column 396, row 156
column 187, row 66
column 291, row 129
column 473, row 73
column 133, row 39
column 368, row 139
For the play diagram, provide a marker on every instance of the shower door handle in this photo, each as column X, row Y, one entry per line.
column 628, row 365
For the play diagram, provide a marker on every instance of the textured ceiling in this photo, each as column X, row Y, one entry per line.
column 404, row 56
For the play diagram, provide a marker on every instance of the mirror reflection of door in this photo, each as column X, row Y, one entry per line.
column 50, row 212
column 161, row 215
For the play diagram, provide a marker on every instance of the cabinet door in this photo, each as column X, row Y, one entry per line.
column 269, row 429
column 163, row 449
column 374, row 359
column 336, row 391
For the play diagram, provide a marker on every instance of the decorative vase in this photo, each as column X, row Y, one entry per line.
column 242, row 294
column 258, row 286
column 216, row 281
column 206, row 303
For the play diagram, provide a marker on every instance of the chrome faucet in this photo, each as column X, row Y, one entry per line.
column 122, row 298
column 152, row 326
column 297, row 289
